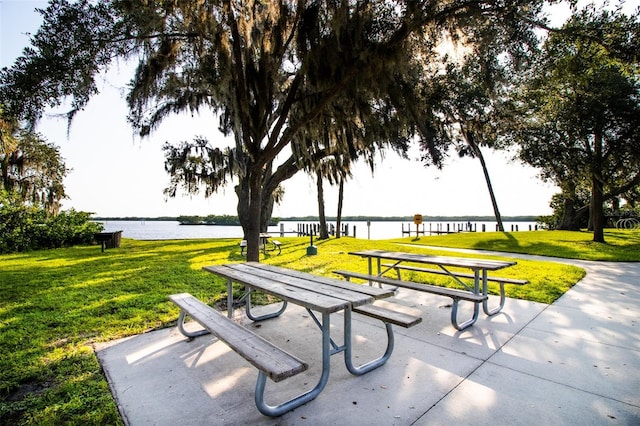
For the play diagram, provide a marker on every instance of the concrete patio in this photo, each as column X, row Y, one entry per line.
column 576, row 361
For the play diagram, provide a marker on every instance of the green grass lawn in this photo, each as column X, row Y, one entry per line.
column 55, row 304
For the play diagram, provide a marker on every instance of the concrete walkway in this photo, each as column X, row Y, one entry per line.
column 576, row 361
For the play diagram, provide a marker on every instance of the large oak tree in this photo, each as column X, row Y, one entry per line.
column 582, row 121
column 275, row 74
column 31, row 168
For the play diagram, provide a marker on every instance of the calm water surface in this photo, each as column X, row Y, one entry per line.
column 170, row 230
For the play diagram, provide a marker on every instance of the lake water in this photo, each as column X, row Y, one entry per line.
column 170, row 230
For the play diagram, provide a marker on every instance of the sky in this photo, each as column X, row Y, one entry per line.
column 114, row 173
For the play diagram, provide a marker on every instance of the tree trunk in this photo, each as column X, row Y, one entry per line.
column 268, row 199
column 339, row 217
column 4, row 174
column 324, row 232
column 266, row 212
column 494, row 202
column 249, row 212
column 242, row 192
column 597, row 213
column 569, row 221
column 571, row 217
column 597, row 210
column 478, row 153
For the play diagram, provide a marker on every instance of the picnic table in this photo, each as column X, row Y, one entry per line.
column 316, row 294
column 476, row 293
column 266, row 244
column 108, row 239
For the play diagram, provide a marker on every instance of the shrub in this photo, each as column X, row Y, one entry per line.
column 26, row 227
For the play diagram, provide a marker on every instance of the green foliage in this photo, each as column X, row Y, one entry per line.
column 69, row 228
column 560, row 204
column 212, row 219
column 35, row 170
column 25, row 227
column 582, row 112
column 30, row 167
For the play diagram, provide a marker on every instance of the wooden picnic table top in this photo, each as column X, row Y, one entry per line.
column 323, row 294
column 463, row 262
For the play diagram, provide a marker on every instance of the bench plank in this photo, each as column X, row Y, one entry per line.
column 354, row 298
column 429, row 288
column 388, row 314
column 374, row 292
column 274, row 362
column 456, row 273
column 307, row 299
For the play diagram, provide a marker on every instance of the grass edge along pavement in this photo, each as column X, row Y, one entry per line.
column 56, row 303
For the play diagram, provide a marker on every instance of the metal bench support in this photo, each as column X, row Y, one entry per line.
column 278, row 365
column 278, row 410
column 467, row 323
column 373, row 364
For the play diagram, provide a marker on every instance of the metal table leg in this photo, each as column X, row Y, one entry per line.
column 277, row 410
column 247, row 307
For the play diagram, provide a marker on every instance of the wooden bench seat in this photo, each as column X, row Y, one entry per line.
column 270, row 360
column 388, row 313
column 455, row 294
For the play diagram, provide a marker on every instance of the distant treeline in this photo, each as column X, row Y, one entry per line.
column 224, row 220
column 233, row 220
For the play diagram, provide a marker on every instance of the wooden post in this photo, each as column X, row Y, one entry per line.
column 417, row 219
